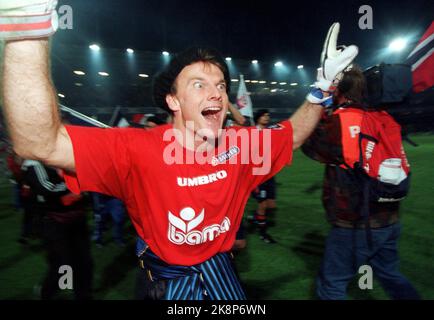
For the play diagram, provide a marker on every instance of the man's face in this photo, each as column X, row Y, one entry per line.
column 200, row 97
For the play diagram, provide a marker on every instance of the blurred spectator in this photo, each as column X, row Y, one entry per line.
column 65, row 232
column 103, row 208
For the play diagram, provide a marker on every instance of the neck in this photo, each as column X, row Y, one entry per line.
column 188, row 139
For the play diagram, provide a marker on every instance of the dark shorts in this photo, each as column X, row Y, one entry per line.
column 266, row 190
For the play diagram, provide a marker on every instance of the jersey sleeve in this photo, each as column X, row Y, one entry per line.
column 102, row 160
column 272, row 149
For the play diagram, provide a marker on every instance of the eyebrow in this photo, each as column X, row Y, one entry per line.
column 203, row 79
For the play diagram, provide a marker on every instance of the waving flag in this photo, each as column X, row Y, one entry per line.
column 421, row 60
column 244, row 102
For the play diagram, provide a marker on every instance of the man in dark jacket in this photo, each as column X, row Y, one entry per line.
column 335, row 142
column 65, row 230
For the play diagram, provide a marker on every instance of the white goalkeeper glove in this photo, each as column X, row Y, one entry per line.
column 27, row 19
column 334, row 61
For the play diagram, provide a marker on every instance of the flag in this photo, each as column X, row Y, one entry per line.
column 421, row 60
column 244, row 102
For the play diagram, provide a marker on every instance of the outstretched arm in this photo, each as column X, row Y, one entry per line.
column 236, row 115
column 30, row 105
column 304, row 121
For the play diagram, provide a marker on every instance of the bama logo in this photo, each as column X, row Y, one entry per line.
column 225, row 156
column 201, row 180
column 182, row 230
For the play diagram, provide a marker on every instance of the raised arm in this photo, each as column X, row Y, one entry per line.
column 30, row 105
column 236, row 115
column 29, row 98
column 304, row 121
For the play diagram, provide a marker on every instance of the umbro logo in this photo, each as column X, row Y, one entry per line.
column 201, row 180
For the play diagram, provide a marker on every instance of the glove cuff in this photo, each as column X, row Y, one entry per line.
column 316, row 96
column 28, row 26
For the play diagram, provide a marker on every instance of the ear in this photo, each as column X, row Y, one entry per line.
column 173, row 103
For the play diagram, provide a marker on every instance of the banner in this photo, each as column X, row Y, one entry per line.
column 244, row 102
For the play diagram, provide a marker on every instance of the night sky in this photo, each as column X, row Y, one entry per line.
column 266, row 30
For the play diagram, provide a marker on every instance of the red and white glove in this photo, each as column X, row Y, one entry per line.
column 27, row 19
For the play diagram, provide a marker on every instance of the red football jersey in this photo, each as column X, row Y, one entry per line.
column 184, row 210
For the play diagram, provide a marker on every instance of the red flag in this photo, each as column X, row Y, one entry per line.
column 421, row 60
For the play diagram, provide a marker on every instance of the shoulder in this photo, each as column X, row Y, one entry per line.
column 349, row 111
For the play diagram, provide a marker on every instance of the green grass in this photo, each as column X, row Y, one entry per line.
column 285, row 270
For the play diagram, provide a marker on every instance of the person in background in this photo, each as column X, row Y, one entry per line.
column 265, row 193
column 64, row 229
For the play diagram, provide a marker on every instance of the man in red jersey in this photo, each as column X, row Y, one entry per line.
column 184, row 184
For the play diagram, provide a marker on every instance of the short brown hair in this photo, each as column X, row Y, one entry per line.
column 353, row 85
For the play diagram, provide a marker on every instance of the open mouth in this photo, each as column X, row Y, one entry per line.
column 211, row 113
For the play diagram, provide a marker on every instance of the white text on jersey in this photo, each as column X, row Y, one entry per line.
column 201, row 180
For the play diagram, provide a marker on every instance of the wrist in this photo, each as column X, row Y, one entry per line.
column 319, row 97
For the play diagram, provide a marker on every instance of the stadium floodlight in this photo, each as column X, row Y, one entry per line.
column 278, row 64
column 104, row 74
column 274, row 82
column 254, row 61
column 129, row 50
column 300, row 66
column 61, row 95
column 94, row 47
column 397, row 45
column 143, row 75
column 282, row 83
column 228, row 59
column 294, row 84
column 79, row 72
column 234, row 80
column 165, row 53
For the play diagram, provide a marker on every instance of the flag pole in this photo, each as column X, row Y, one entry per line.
column 83, row 117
